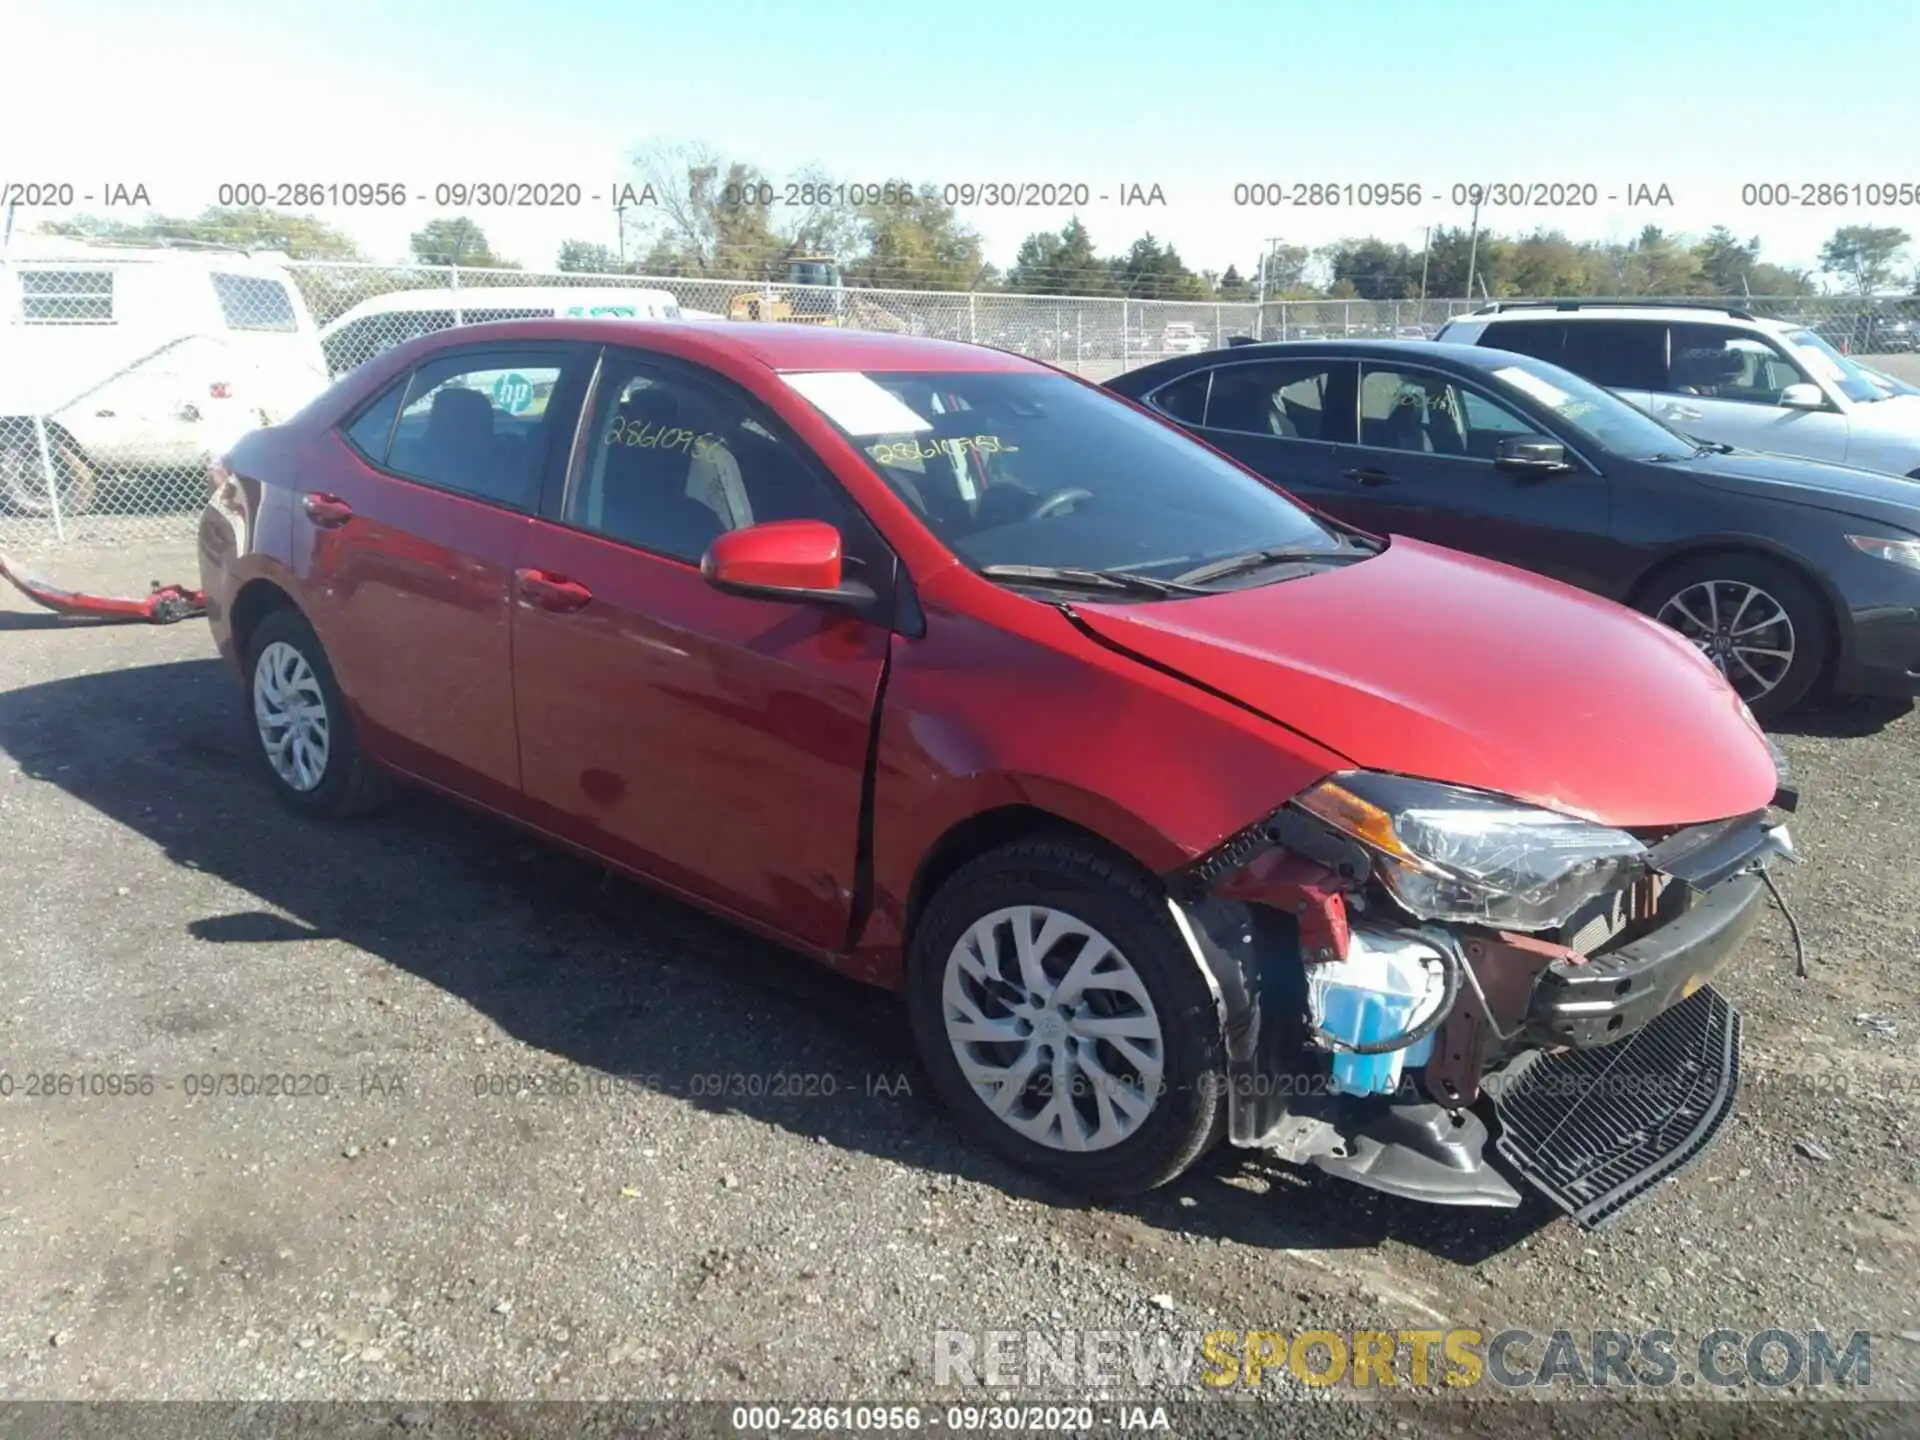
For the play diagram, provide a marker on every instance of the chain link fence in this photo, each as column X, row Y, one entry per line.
column 124, row 371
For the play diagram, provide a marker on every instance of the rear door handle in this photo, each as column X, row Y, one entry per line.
column 1368, row 476
column 551, row 592
column 329, row 512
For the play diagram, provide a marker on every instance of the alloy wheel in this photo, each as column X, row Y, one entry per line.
column 1740, row 627
column 23, row 485
column 291, row 713
column 1053, row 1028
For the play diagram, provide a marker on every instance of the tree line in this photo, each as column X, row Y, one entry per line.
column 696, row 215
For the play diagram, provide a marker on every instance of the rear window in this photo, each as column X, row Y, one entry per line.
column 1526, row 337
column 254, row 302
column 66, row 297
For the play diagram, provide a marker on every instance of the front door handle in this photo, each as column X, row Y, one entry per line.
column 1680, row 412
column 546, row 591
column 1368, row 476
column 329, row 512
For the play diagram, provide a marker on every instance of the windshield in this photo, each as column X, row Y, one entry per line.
column 1040, row 470
column 1891, row 384
column 1597, row 415
column 1855, row 382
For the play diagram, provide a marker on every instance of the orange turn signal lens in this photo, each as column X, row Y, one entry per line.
column 1362, row 819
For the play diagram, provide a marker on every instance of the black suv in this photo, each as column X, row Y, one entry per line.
column 1789, row 574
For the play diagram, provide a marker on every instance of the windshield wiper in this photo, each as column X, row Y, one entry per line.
column 1260, row 559
column 1079, row 579
column 1712, row 447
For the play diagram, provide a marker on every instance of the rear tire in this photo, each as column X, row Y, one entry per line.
column 1105, row 1005
column 1758, row 620
column 23, row 478
column 302, row 730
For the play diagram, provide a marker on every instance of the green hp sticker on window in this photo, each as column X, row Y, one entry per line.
column 513, row 393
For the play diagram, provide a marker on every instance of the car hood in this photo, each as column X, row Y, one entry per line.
column 1425, row 662
column 1895, row 415
column 1842, row 488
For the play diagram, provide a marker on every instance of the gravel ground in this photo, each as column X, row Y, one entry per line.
column 472, row 1209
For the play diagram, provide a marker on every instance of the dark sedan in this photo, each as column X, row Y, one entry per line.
column 1794, row 576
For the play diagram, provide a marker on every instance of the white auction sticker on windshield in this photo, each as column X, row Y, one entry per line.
column 1545, row 391
column 857, row 404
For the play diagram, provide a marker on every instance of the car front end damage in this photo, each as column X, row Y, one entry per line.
column 1447, row 995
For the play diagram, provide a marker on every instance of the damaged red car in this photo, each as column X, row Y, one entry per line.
column 1178, row 813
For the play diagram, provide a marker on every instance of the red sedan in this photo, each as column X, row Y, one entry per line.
column 1175, row 810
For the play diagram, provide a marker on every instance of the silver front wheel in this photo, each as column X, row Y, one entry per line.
column 291, row 713
column 1053, row 1028
column 1744, row 630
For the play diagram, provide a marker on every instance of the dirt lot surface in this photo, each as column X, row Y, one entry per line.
column 420, row 1182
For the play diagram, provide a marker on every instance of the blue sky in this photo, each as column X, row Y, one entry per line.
column 1194, row 97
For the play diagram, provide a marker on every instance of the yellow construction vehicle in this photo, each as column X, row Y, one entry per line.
column 817, row 295
column 822, row 302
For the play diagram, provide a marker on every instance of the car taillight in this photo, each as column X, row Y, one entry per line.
column 220, row 390
column 219, row 478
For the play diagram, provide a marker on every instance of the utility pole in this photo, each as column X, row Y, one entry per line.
column 1260, row 303
column 620, row 223
column 1473, row 246
column 1426, row 255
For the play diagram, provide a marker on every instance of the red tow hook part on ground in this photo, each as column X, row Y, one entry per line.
column 164, row 605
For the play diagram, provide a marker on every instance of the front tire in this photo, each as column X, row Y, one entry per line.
column 1760, row 623
column 303, row 733
column 1064, row 1021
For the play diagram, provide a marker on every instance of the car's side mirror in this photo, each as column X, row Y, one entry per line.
column 797, row 560
column 1803, row 396
column 1530, row 455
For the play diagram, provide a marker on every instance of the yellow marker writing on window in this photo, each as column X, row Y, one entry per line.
column 905, row 451
column 648, row 436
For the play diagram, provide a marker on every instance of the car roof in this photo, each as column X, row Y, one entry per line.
column 481, row 297
column 1478, row 356
column 776, row 345
column 1570, row 311
column 81, row 250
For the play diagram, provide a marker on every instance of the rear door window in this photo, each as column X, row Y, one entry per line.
column 1618, row 354
column 1285, row 399
column 478, row 423
column 254, row 302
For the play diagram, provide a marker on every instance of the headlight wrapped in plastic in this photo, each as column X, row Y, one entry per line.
column 1467, row 856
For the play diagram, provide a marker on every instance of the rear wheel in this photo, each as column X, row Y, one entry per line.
column 1760, row 623
column 24, row 487
column 1064, row 1021
column 300, row 722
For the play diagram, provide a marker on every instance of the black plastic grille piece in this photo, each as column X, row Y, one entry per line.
column 1595, row 1130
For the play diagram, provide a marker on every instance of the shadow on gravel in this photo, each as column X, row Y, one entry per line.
column 1843, row 719
column 596, row 971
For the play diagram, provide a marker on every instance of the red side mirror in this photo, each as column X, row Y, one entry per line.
column 782, row 560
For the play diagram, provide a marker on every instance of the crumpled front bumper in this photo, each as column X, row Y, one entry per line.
column 1589, row 1079
column 1612, row 996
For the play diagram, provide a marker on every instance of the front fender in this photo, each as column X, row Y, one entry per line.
column 976, row 717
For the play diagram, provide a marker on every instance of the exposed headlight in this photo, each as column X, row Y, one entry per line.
column 1447, row 853
column 1900, row 552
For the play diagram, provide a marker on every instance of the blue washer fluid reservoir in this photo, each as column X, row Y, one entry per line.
column 1387, row 984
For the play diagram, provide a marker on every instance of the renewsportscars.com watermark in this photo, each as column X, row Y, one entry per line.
column 1102, row 1361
